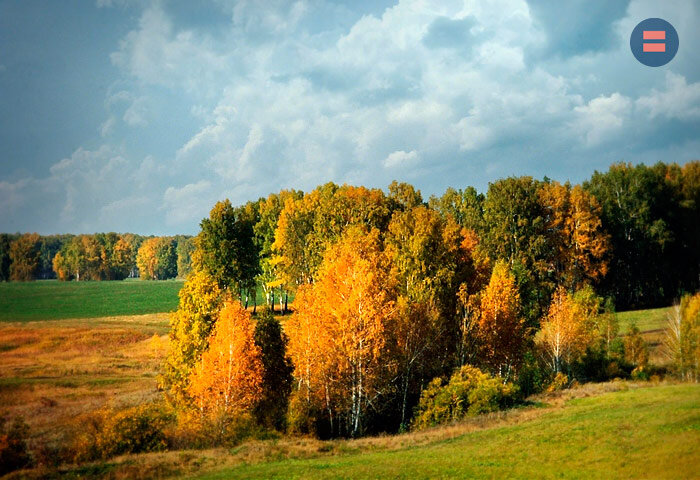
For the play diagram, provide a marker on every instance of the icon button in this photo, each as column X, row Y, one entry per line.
column 654, row 42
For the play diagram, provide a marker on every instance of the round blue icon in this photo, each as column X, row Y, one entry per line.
column 654, row 42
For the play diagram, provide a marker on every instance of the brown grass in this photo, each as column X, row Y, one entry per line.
column 50, row 372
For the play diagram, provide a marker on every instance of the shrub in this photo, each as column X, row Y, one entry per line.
column 107, row 433
column 560, row 382
column 468, row 393
column 13, row 445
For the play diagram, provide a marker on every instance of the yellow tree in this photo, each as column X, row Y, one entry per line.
column 147, row 259
column 337, row 337
column 501, row 328
column 227, row 381
column 581, row 244
column 190, row 327
column 565, row 332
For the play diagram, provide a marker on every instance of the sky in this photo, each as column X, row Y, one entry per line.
column 136, row 116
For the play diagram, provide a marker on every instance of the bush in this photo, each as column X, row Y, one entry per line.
column 107, row 433
column 560, row 382
column 468, row 393
column 13, row 445
column 197, row 431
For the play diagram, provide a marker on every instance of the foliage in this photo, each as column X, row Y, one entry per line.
column 13, row 445
column 636, row 349
column 24, row 257
column 190, row 327
column 225, row 247
column 227, row 381
column 469, row 392
column 271, row 409
column 337, row 338
column 157, row 259
column 5, row 241
column 682, row 342
column 106, row 433
column 500, row 327
column 650, row 213
column 566, row 332
column 559, row 382
column 185, row 248
column 580, row 245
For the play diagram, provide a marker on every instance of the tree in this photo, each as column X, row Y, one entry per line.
column 185, row 249
column 641, row 210
column 566, row 331
column 157, row 259
column 337, row 337
column 24, row 257
column 5, row 241
column 226, row 250
column 404, row 196
column 227, row 381
column 572, row 217
column 515, row 231
column 501, row 328
column 121, row 259
column 190, row 327
column 271, row 409
column 465, row 206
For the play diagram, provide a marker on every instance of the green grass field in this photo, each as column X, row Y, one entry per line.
column 646, row 320
column 651, row 432
column 52, row 300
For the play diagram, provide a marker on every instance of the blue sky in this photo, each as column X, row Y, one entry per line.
column 121, row 115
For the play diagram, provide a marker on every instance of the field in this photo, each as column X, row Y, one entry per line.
column 54, row 369
column 649, row 432
column 51, row 299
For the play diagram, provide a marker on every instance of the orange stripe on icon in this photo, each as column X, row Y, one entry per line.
column 654, row 35
column 654, row 47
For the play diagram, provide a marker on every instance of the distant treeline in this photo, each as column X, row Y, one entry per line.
column 99, row 256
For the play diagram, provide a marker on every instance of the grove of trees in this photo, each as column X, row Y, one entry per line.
column 402, row 306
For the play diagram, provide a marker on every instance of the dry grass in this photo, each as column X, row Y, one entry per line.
column 183, row 463
column 50, row 372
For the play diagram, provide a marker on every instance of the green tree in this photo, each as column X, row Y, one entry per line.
column 226, row 250
column 515, row 231
column 5, row 241
column 277, row 379
column 466, row 207
column 24, row 257
column 185, row 248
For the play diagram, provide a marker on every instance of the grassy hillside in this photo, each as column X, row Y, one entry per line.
column 51, row 299
column 651, row 432
column 646, row 320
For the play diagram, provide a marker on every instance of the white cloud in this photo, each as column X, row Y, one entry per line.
column 602, row 118
column 679, row 100
column 189, row 203
column 401, row 159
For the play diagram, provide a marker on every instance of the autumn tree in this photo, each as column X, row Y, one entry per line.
column 501, row 327
column 121, row 259
column 264, row 229
column 572, row 217
column 338, row 335
column 271, row 408
column 157, row 259
column 404, row 196
column 566, row 331
column 190, row 327
column 308, row 226
column 227, row 380
column 514, row 230
column 429, row 261
column 24, row 257
column 465, row 206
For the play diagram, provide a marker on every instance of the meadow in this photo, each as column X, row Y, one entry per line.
column 53, row 371
column 52, row 300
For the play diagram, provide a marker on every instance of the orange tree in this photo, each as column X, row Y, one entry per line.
column 337, row 338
